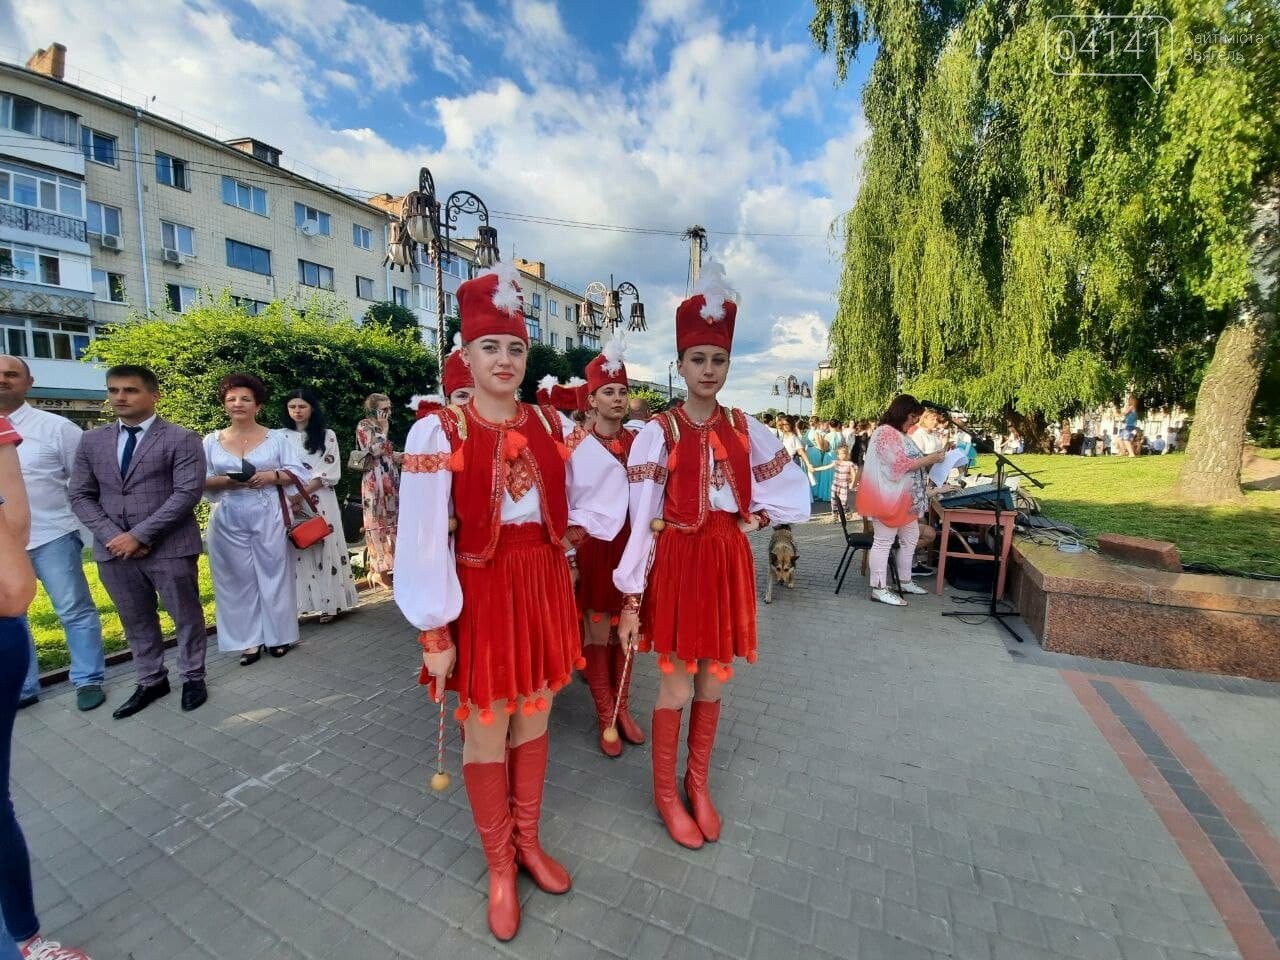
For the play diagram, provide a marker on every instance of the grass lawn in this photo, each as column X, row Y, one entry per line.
column 52, row 647
column 1131, row 496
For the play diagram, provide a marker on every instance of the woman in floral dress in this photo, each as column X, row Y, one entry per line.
column 323, row 570
column 379, row 488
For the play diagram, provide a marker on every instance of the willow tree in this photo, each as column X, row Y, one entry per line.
column 1027, row 242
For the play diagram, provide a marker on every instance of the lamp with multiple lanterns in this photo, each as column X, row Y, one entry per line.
column 602, row 307
column 791, row 386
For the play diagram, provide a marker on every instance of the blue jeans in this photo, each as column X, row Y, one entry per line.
column 16, row 901
column 61, row 569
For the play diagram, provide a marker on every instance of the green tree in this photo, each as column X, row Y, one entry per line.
column 541, row 361
column 1024, row 243
column 827, row 402
column 578, row 358
column 656, row 401
column 320, row 348
column 394, row 317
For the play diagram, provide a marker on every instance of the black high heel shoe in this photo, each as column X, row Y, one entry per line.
column 247, row 658
column 278, row 652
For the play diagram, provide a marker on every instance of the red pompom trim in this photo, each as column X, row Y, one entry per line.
column 691, row 667
column 510, row 707
column 486, row 716
column 727, row 672
column 462, row 713
column 580, row 663
column 596, row 618
column 751, row 656
column 665, row 664
column 613, row 621
column 540, row 704
column 527, row 709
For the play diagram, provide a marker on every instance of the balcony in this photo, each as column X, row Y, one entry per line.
column 42, row 222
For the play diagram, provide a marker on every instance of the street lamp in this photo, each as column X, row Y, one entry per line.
column 671, row 366
column 425, row 222
column 791, row 386
column 602, row 307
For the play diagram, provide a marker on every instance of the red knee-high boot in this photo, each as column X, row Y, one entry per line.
column 597, row 673
column 487, row 789
column 627, row 727
column 704, row 715
column 666, row 743
column 528, row 767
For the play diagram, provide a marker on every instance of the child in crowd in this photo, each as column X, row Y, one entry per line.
column 843, row 479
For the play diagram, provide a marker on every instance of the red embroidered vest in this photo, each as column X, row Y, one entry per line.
column 690, row 467
column 479, row 485
column 619, row 444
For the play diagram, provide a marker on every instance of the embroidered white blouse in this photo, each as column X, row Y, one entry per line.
column 778, row 487
column 426, row 575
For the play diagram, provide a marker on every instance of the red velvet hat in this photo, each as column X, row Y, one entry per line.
column 608, row 367
column 491, row 304
column 421, row 405
column 707, row 318
column 565, row 397
column 457, row 374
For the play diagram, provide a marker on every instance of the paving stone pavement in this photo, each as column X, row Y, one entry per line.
column 894, row 785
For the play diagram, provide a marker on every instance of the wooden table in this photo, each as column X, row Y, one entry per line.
column 983, row 520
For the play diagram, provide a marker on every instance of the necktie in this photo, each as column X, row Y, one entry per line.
column 129, row 446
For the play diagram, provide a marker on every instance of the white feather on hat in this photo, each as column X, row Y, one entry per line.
column 574, row 382
column 714, row 286
column 614, row 353
column 549, row 381
column 418, row 398
column 457, row 343
column 507, row 296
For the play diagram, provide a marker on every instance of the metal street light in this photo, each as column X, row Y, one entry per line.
column 602, row 307
column 791, row 386
column 425, row 222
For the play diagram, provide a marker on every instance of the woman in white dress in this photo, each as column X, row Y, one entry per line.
column 322, row 571
column 247, row 542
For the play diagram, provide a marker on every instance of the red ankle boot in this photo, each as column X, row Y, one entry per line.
column 704, row 715
column 528, row 769
column 627, row 727
column 666, row 743
column 598, row 681
column 487, row 790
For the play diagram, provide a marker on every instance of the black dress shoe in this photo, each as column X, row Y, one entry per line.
column 194, row 694
column 142, row 698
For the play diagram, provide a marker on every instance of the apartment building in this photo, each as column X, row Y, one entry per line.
column 107, row 209
column 551, row 309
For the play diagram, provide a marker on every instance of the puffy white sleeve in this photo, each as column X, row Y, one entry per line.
column 330, row 469
column 290, row 455
column 779, row 487
column 426, row 579
column 597, row 488
column 647, row 476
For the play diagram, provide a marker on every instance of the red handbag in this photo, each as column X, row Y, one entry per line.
column 309, row 531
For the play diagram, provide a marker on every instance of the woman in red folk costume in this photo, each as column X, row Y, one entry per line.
column 701, row 478
column 598, row 599
column 458, row 385
column 494, row 601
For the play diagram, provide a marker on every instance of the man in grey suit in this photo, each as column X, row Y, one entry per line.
column 135, row 484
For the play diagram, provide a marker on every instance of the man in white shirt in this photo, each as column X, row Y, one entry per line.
column 47, row 453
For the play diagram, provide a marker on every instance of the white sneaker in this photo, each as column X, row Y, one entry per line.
column 884, row 595
column 909, row 587
column 42, row 949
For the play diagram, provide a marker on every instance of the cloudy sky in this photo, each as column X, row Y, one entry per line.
column 653, row 114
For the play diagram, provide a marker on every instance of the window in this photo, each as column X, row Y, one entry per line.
column 98, row 147
column 249, row 305
column 362, row 237
column 553, row 307
column 571, row 314
column 400, row 296
column 14, row 339
column 41, row 191
column 244, row 256
column 244, row 195
column 31, row 264
column 535, row 329
column 27, row 116
column 537, row 301
column 103, row 219
column 364, row 288
column 590, row 341
column 553, row 336
column 302, row 214
column 314, row 275
column 172, row 172
column 568, row 343
column 108, row 286
column 181, row 299
column 59, row 340
column 450, row 305
column 174, row 236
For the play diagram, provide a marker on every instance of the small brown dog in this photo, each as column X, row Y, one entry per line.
column 782, row 561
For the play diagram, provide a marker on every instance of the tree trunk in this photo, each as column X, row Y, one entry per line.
column 1211, row 470
column 1033, row 428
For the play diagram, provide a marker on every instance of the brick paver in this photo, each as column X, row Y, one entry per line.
column 893, row 785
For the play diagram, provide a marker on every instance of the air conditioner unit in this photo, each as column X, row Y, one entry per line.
column 110, row 242
column 172, row 256
column 310, row 228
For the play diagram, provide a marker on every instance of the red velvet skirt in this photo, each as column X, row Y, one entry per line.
column 700, row 603
column 519, row 630
column 597, row 559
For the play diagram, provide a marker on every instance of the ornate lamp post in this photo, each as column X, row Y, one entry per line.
column 602, row 307
column 791, row 386
column 426, row 222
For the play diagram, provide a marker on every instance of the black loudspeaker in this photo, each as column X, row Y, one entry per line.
column 353, row 520
column 974, row 576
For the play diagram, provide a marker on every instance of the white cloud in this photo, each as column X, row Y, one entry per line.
column 694, row 142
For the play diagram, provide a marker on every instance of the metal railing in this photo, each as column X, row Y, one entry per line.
column 42, row 221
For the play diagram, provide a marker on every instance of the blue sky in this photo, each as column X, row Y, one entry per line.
column 659, row 113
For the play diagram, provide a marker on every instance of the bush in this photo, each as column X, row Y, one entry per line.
column 319, row 348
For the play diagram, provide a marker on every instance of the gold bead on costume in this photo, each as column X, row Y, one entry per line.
column 657, row 524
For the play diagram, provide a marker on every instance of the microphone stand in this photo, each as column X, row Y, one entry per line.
column 993, row 610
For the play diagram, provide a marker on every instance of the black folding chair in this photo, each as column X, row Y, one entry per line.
column 853, row 542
